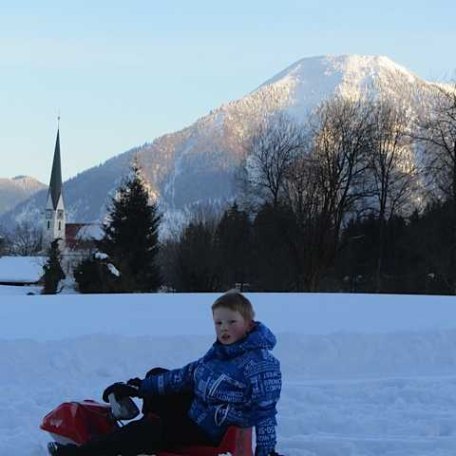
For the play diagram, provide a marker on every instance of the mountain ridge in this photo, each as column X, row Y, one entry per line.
column 197, row 164
column 17, row 189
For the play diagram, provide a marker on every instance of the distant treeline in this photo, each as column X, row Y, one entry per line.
column 271, row 252
column 360, row 199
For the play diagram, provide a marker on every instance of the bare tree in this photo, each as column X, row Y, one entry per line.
column 272, row 149
column 281, row 174
column 341, row 147
column 438, row 135
column 437, row 132
column 304, row 197
column 391, row 167
column 302, row 189
column 325, row 180
column 26, row 239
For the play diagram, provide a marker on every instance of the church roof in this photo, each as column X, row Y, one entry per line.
column 55, row 184
column 80, row 235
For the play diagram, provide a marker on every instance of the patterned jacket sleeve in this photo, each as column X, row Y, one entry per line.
column 266, row 383
column 169, row 382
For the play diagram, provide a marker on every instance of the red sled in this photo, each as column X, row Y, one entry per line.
column 236, row 442
column 78, row 422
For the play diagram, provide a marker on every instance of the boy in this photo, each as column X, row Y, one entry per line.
column 237, row 382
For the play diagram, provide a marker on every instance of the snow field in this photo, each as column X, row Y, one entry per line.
column 389, row 390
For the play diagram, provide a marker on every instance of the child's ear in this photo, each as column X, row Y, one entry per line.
column 251, row 325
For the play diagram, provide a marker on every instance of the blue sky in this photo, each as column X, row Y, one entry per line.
column 122, row 73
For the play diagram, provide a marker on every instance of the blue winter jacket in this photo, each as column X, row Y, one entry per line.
column 237, row 384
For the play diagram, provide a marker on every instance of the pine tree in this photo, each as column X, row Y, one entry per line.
column 131, row 236
column 93, row 275
column 234, row 244
column 196, row 260
column 53, row 271
column 276, row 260
column 2, row 245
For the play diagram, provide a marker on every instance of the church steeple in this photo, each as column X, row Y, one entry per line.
column 54, row 213
column 55, row 184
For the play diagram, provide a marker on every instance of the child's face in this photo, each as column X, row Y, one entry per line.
column 230, row 325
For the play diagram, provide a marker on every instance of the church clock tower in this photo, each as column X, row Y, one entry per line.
column 54, row 213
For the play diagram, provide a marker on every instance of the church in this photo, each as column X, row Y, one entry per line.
column 75, row 239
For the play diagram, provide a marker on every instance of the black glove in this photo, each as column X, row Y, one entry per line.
column 156, row 371
column 136, row 382
column 120, row 390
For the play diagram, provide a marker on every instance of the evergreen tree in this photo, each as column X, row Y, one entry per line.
column 430, row 248
column 94, row 275
column 234, row 242
column 196, row 259
column 53, row 272
column 276, row 260
column 131, row 236
column 2, row 245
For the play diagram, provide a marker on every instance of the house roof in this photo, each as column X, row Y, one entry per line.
column 77, row 234
column 71, row 230
column 21, row 269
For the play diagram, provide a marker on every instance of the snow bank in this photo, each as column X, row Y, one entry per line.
column 21, row 269
column 171, row 314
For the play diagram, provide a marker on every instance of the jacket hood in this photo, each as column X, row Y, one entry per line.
column 260, row 337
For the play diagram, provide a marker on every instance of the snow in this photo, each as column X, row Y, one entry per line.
column 90, row 231
column 11, row 290
column 364, row 375
column 309, row 81
column 113, row 270
column 21, row 268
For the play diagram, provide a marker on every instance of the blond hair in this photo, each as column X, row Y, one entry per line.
column 235, row 300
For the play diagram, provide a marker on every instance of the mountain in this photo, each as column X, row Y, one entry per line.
column 18, row 189
column 197, row 165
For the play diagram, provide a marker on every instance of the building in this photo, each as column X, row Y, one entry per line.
column 54, row 213
column 75, row 239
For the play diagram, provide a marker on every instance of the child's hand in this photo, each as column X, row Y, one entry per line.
column 120, row 390
column 136, row 382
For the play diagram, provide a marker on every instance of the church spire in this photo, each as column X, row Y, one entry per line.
column 55, row 184
column 54, row 213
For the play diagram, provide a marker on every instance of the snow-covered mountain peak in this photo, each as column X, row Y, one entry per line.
column 304, row 84
column 315, row 71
